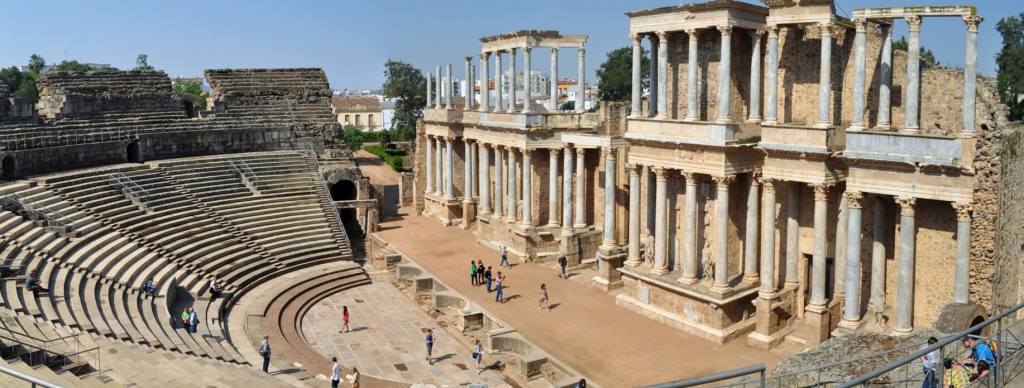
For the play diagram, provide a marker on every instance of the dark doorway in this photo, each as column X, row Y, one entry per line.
column 10, row 167
column 190, row 109
column 345, row 190
column 134, row 154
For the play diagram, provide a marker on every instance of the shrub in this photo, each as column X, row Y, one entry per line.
column 391, row 156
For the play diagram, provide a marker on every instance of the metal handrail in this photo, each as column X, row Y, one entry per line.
column 129, row 188
column 724, row 375
column 326, row 191
column 35, row 381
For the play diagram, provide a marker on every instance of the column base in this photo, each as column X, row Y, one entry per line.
column 846, row 326
column 855, row 127
column 688, row 279
column 910, row 130
column 816, row 325
column 901, row 332
column 769, row 122
column 882, row 127
column 659, row 271
column 634, row 261
column 724, row 121
column 690, row 119
column 579, row 225
column 551, row 225
column 823, row 124
column 752, row 279
column 753, row 119
column 720, row 289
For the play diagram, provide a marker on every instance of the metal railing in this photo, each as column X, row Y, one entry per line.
column 35, row 381
column 326, row 192
column 245, row 174
column 39, row 351
column 716, row 377
column 135, row 193
column 52, row 220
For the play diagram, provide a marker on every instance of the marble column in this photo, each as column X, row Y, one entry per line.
column 633, row 258
column 768, row 284
column 449, row 99
column 725, row 75
column 527, row 193
column 513, row 185
column 825, row 77
column 439, row 160
column 499, row 83
column 485, row 178
column 792, row 234
column 527, row 80
column 851, row 304
column 609, row 198
column 440, row 89
column 859, row 75
column 485, row 78
column 430, row 100
column 912, row 93
column 512, row 84
column 553, row 187
column 721, row 282
column 692, row 62
column 750, row 233
column 755, row 78
column 653, row 91
column 771, row 100
column 467, row 171
column 839, row 285
column 818, row 261
column 690, row 214
column 499, row 191
column 876, row 298
column 553, row 78
column 905, row 273
column 647, row 176
column 581, row 98
column 663, row 75
column 581, row 179
column 962, row 273
column 660, row 223
column 429, row 165
column 567, row 191
column 638, row 54
column 474, row 174
column 449, row 170
column 885, row 81
column 469, row 85
column 970, row 73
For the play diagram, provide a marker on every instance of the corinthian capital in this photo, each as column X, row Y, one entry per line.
column 972, row 22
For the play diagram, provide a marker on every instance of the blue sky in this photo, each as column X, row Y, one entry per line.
column 351, row 39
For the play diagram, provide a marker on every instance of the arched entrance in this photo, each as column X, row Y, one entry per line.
column 134, row 154
column 346, row 190
column 10, row 167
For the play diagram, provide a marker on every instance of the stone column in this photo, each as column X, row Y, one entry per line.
column 725, row 75
column 467, row 171
column 663, row 75
column 750, row 233
column 581, row 99
column 825, row 77
column 690, row 213
column 449, row 171
column 653, row 91
column 439, row 160
column 692, row 61
column 485, row 178
column 768, row 285
column 475, row 172
column 553, row 78
column 609, row 198
column 962, row 274
column 792, row 234
column 485, row 78
column 771, row 101
column 429, row 164
column 440, row 89
column 859, row 75
column 633, row 258
column 876, row 298
column 430, row 100
column 580, row 200
column 638, row 54
column 512, row 81
column 527, row 188
column 567, row 191
column 660, row 228
column 527, row 80
column 499, row 191
column 469, row 86
column 970, row 73
column 553, row 187
column 885, row 81
column 905, row 273
column 648, row 181
column 513, row 184
column 499, row 83
column 721, row 282
column 755, row 78
column 912, row 94
column 839, row 287
column 851, row 305
column 449, row 99
column 819, row 262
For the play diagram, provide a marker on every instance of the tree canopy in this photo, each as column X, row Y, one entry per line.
column 142, row 62
column 1010, row 78
column 407, row 86
column 615, row 76
column 927, row 56
column 190, row 91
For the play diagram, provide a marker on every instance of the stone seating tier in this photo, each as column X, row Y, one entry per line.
column 70, row 94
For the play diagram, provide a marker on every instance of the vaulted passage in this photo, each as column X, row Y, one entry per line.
column 345, row 190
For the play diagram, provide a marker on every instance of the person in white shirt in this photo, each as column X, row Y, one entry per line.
column 335, row 373
column 353, row 378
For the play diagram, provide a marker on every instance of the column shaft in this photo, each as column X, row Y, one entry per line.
column 430, row 100
column 839, row 286
column 819, row 262
column 652, row 92
column 690, row 214
column 859, row 75
column 851, row 306
column 911, row 108
column 439, row 101
column 439, row 160
column 468, row 105
column 970, row 73
column 553, row 81
column 905, row 286
column 609, row 198
column 885, row 81
column 725, row 75
column 467, row 171
column 429, row 165
column 755, row 78
column 771, row 101
column 581, row 179
column 792, row 234
column 499, row 179
column 660, row 228
column 633, row 258
column 499, row 83
column 768, row 284
column 449, row 101
column 662, row 75
column 512, row 81
column 527, row 187
column 581, row 99
column 961, row 278
column 750, row 233
column 567, row 191
column 485, row 87
column 722, row 232
column 825, row 77
column 553, row 187
column 527, row 81
column 513, row 185
column 449, row 170
column 692, row 62
column 485, row 178
column 876, row 299
column 638, row 53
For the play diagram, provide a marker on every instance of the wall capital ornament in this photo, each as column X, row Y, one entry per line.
column 773, row 30
column 722, row 182
column 768, row 183
column 725, row 29
column 636, row 38
column 633, row 169
column 855, row 199
column 662, row 36
column 906, row 205
column 690, row 177
column 972, row 22
column 581, row 152
column 825, row 30
column 692, row 32
column 913, row 23
column 661, row 173
column 821, row 192
column 963, row 211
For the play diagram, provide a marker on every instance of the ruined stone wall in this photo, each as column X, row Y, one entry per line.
column 419, row 168
column 1009, row 242
column 76, row 94
column 800, row 69
column 708, row 60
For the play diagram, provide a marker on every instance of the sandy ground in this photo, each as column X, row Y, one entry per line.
column 371, row 166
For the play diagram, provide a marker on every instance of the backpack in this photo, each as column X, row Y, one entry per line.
column 994, row 347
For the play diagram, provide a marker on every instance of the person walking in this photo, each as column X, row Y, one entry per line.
column 193, row 320
column 430, row 346
column 564, row 264
column 478, row 355
column 479, row 272
column 499, row 288
column 928, row 362
column 353, row 379
column 335, row 373
column 345, row 317
column 504, row 258
column 488, row 278
column 185, row 313
column 543, row 302
column 472, row 272
column 264, row 350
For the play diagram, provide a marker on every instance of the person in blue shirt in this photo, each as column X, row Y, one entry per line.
column 980, row 351
column 149, row 288
column 430, row 346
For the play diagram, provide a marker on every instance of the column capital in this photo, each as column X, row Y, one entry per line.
column 906, row 205
column 913, row 23
column 692, row 32
column 855, row 199
column 963, row 211
column 860, row 24
column 722, row 182
column 608, row 152
column 485, row 55
column 821, row 192
column 972, row 22
column 825, row 29
column 633, row 169
column 580, row 51
column 661, row 173
column 580, row 152
column 773, row 30
column 689, row 176
column 724, row 29
column 636, row 38
column 756, row 34
column 512, row 50
column 555, row 151
column 469, row 58
column 662, row 36
column 527, row 49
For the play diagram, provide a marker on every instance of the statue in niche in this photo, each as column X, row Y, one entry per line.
column 647, row 249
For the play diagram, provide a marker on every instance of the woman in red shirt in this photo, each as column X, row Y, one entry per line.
column 344, row 316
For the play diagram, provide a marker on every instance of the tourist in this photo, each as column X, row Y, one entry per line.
column 597, row 261
column 564, row 265
column 430, row 346
column 956, row 376
column 149, row 288
column 214, row 288
column 264, row 350
column 980, row 351
column 479, row 272
column 344, row 318
column 478, row 355
column 472, row 272
column 928, row 364
column 193, row 320
column 335, row 373
column 487, row 278
column 581, row 384
column 353, row 379
column 185, row 314
column 504, row 258
column 32, row 283
column 543, row 303
column 499, row 288
column 982, row 371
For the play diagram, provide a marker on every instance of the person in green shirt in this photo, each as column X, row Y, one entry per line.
column 472, row 272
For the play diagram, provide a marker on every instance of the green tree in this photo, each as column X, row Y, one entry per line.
column 21, row 83
column 407, row 86
column 927, row 56
column 36, row 63
column 72, row 65
column 142, row 62
column 190, row 91
column 353, row 136
column 615, row 76
column 1010, row 60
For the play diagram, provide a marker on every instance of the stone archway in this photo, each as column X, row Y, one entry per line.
column 346, row 190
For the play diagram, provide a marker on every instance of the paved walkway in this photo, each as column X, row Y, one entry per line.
column 587, row 330
column 387, row 339
column 373, row 167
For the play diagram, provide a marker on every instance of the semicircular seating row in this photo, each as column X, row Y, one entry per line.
column 199, row 220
